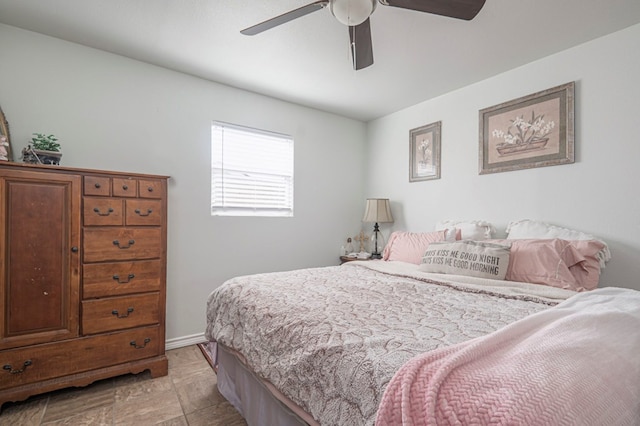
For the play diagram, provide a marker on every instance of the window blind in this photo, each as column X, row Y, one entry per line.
column 251, row 172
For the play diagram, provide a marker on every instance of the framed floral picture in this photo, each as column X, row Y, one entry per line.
column 533, row 131
column 424, row 152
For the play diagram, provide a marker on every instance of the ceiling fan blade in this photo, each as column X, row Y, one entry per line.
column 285, row 17
column 361, row 46
column 461, row 9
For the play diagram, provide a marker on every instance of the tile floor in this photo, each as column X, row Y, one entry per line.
column 187, row 396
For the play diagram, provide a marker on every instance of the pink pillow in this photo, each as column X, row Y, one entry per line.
column 546, row 262
column 410, row 246
column 587, row 273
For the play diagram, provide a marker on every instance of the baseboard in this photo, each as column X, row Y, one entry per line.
column 180, row 342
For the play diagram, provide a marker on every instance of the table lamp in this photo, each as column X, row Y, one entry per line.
column 377, row 211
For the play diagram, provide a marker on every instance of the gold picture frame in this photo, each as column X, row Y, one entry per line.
column 4, row 132
column 533, row 131
column 424, row 152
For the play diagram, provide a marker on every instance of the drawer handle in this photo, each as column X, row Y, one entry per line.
column 150, row 189
column 139, row 213
column 97, row 185
column 125, row 187
column 12, row 371
column 129, row 278
column 117, row 243
column 97, row 210
column 133, row 343
column 115, row 312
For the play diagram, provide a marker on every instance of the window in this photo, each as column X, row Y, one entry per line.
column 251, row 172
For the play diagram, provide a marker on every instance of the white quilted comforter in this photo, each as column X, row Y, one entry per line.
column 330, row 339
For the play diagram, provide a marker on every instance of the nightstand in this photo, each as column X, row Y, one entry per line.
column 344, row 259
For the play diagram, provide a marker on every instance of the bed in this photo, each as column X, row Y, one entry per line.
column 397, row 342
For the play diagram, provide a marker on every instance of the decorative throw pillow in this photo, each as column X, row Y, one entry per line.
column 470, row 229
column 472, row 258
column 410, row 246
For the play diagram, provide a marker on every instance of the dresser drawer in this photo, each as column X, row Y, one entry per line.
column 47, row 361
column 102, row 211
column 107, row 244
column 144, row 212
column 97, row 185
column 115, row 279
column 117, row 313
column 125, row 187
column 150, row 188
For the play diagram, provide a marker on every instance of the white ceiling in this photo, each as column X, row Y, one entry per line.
column 418, row 56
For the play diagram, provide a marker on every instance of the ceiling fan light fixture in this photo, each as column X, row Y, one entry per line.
column 352, row 12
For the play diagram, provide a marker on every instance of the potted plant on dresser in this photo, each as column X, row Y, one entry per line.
column 42, row 150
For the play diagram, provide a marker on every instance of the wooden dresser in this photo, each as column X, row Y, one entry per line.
column 82, row 277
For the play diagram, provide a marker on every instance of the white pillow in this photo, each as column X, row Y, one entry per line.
column 469, row 229
column 529, row 229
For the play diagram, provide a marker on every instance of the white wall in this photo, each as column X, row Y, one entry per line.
column 114, row 113
column 598, row 194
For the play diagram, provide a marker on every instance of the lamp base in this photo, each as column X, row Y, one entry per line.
column 377, row 242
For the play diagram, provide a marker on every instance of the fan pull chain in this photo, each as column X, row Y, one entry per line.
column 353, row 45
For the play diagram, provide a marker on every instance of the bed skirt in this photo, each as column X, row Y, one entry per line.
column 257, row 401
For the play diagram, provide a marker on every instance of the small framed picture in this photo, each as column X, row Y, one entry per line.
column 424, row 152
column 532, row 131
column 5, row 140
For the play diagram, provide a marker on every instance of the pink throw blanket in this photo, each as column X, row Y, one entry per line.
column 575, row 364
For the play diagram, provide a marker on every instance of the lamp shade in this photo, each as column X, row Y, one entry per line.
column 378, row 210
column 352, row 12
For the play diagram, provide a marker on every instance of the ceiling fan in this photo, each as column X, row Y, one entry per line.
column 355, row 14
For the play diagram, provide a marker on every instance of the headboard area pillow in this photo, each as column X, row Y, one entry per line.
column 588, row 272
column 528, row 229
column 554, row 262
column 410, row 246
column 469, row 230
column 471, row 258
